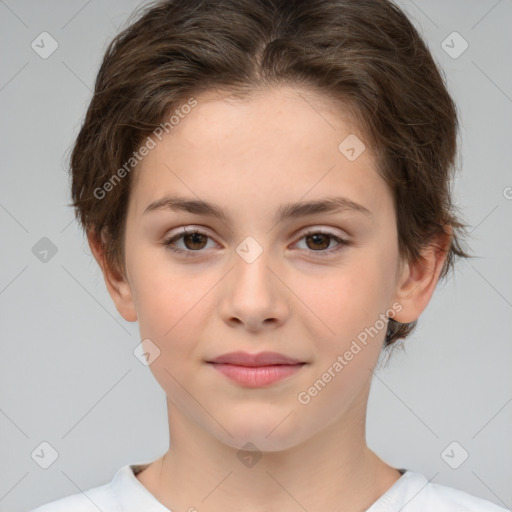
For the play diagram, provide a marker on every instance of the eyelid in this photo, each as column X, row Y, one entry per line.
column 188, row 230
column 301, row 232
column 322, row 229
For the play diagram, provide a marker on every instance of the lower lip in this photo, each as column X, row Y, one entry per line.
column 257, row 376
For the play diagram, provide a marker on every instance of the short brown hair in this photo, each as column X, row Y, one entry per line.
column 364, row 53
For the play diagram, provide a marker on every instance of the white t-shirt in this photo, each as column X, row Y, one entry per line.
column 411, row 493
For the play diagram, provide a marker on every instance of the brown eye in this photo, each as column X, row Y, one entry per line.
column 193, row 241
column 318, row 241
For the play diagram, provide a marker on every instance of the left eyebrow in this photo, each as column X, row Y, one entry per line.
column 286, row 211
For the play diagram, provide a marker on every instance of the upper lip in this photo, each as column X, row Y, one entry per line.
column 261, row 359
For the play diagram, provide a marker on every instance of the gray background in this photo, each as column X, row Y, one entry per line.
column 68, row 374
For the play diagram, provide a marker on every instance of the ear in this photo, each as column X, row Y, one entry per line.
column 417, row 280
column 117, row 285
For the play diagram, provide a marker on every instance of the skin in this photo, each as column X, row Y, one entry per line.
column 249, row 157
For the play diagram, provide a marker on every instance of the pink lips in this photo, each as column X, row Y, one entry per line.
column 256, row 370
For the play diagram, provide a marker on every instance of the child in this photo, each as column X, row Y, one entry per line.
column 264, row 182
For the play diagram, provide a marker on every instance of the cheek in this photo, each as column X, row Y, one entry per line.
column 166, row 306
column 160, row 294
column 350, row 303
column 167, row 313
column 348, row 338
column 350, row 297
column 172, row 306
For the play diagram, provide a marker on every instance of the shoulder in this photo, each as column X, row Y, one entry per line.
column 92, row 500
column 416, row 493
column 124, row 492
column 449, row 499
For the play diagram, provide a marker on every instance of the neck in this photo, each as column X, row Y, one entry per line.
column 332, row 468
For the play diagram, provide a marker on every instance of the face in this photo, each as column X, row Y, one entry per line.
column 315, row 286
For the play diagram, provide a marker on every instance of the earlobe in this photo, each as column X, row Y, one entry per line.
column 418, row 279
column 117, row 285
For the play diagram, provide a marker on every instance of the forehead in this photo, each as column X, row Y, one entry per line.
column 276, row 145
column 295, row 112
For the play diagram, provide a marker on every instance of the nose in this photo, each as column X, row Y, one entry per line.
column 254, row 295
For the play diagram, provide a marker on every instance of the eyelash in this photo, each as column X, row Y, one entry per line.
column 341, row 241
